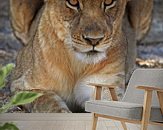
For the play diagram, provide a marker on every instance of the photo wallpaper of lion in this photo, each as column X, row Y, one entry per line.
column 67, row 44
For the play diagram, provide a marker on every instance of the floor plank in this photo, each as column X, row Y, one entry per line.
column 61, row 122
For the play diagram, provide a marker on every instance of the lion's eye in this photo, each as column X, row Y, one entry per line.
column 108, row 4
column 73, row 4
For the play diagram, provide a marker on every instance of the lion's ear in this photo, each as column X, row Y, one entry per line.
column 23, row 13
column 140, row 16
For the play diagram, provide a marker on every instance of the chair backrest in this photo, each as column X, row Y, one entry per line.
column 143, row 77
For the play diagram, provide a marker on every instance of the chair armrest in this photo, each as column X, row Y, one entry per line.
column 102, row 85
column 148, row 88
column 98, row 90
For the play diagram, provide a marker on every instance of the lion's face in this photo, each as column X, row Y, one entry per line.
column 88, row 27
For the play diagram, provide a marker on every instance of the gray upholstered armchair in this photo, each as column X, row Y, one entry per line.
column 142, row 103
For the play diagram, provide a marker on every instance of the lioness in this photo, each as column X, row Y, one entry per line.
column 69, row 43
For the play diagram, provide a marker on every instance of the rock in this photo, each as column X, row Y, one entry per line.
column 9, row 45
column 151, row 51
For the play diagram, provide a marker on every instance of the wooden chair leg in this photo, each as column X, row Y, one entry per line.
column 146, row 110
column 124, row 125
column 94, row 122
column 160, row 98
column 115, row 98
column 113, row 94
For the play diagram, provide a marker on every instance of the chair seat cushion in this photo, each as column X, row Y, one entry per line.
column 131, row 111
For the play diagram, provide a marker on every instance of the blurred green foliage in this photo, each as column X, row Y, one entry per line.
column 4, row 72
column 20, row 98
column 8, row 126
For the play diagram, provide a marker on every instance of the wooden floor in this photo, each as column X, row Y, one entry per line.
column 60, row 122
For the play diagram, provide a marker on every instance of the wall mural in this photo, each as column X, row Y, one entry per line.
column 68, row 44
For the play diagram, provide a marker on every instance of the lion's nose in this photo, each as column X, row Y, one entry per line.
column 94, row 41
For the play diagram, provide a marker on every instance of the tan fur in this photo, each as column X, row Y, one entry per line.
column 140, row 16
column 23, row 14
column 49, row 62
